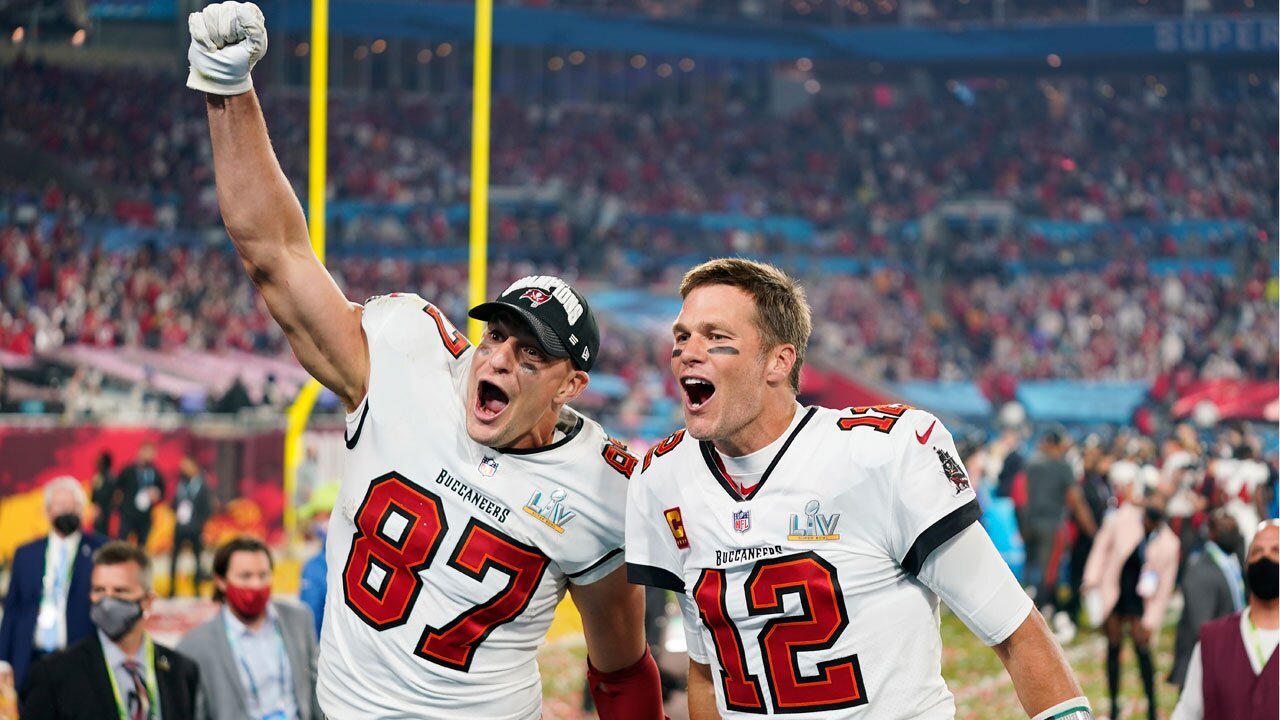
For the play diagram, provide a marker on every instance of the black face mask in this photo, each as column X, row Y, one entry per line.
column 1228, row 542
column 66, row 523
column 1264, row 579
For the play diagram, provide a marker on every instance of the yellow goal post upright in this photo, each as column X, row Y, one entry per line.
column 300, row 411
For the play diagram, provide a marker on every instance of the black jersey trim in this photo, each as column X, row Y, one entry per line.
column 351, row 441
column 708, row 455
column 654, row 577
column 607, row 557
column 940, row 532
column 573, row 433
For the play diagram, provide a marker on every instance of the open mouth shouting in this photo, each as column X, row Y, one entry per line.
column 697, row 392
column 490, row 401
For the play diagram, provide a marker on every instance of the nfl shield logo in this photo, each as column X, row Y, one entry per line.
column 742, row 520
column 488, row 467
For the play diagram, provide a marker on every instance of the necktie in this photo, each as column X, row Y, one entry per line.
column 139, row 701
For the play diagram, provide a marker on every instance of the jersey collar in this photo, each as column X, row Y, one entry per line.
column 717, row 471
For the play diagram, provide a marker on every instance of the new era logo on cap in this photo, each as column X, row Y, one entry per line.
column 567, row 322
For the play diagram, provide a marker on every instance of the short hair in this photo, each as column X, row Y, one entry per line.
column 782, row 311
column 64, row 482
column 222, row 556
column 119, row 552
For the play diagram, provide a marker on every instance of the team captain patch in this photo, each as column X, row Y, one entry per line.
column 953, row 471
column 676, row 523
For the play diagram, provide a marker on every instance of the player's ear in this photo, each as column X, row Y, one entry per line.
column 572, row 386
column 778, row 363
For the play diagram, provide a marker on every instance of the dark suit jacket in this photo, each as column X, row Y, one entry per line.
column 201, row 505
column 73, row 685
column 1206, row 593
column 128, row 483
column 22, row 604
column 220, row 672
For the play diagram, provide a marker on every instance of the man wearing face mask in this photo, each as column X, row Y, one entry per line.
column 1233, row 671
column 1212, row 587
column 117, row 671
column 256, row 656
column 47, row 607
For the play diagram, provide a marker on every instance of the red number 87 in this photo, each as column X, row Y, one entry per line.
column 399, row 528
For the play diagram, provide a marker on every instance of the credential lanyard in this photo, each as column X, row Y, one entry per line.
column 248, row 672
column 1254, row 646
column 121, row 706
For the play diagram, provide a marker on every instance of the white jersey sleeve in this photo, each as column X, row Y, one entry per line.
column 692, row 618
column 932, row 500
column 655, row 537
column 969, row 575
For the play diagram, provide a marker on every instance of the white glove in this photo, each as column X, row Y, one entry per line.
column 227, row 39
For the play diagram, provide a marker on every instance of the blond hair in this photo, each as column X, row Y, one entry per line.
column 782, row 311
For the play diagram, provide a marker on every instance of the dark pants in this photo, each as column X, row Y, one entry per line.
column 192, row 537
column 1079, row 556
column 138, row 525
column 1038, row 540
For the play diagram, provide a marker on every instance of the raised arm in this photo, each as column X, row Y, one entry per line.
column 261, row 213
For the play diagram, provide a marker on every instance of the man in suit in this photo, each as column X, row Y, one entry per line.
column 256, row 656
column 191, row 508
column 117, row 671
column 1212, row 587
column 47, row 607
column 141, row 488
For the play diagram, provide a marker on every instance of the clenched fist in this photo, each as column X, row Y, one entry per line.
column 227, row 39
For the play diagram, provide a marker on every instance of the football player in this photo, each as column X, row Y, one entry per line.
column 808, row 546
column 473, row 495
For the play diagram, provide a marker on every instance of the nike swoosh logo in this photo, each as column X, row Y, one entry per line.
column 925, row 437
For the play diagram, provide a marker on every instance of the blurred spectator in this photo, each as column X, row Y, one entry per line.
column 1051, row 491
column 192, row 506
column 119, row 661
column 1233, row 673
column 141, row 488
column 1132, row 570
column 1088, row 517
column 315, row 572
column 257, row 656
column 1212, row 587
column 104, row 494
column 1239, row 480
column 47, row 606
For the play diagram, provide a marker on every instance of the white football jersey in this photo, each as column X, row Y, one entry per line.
column 447, row 558
column 805, row 589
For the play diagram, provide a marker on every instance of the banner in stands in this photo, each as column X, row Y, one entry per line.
column 1234, row 399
